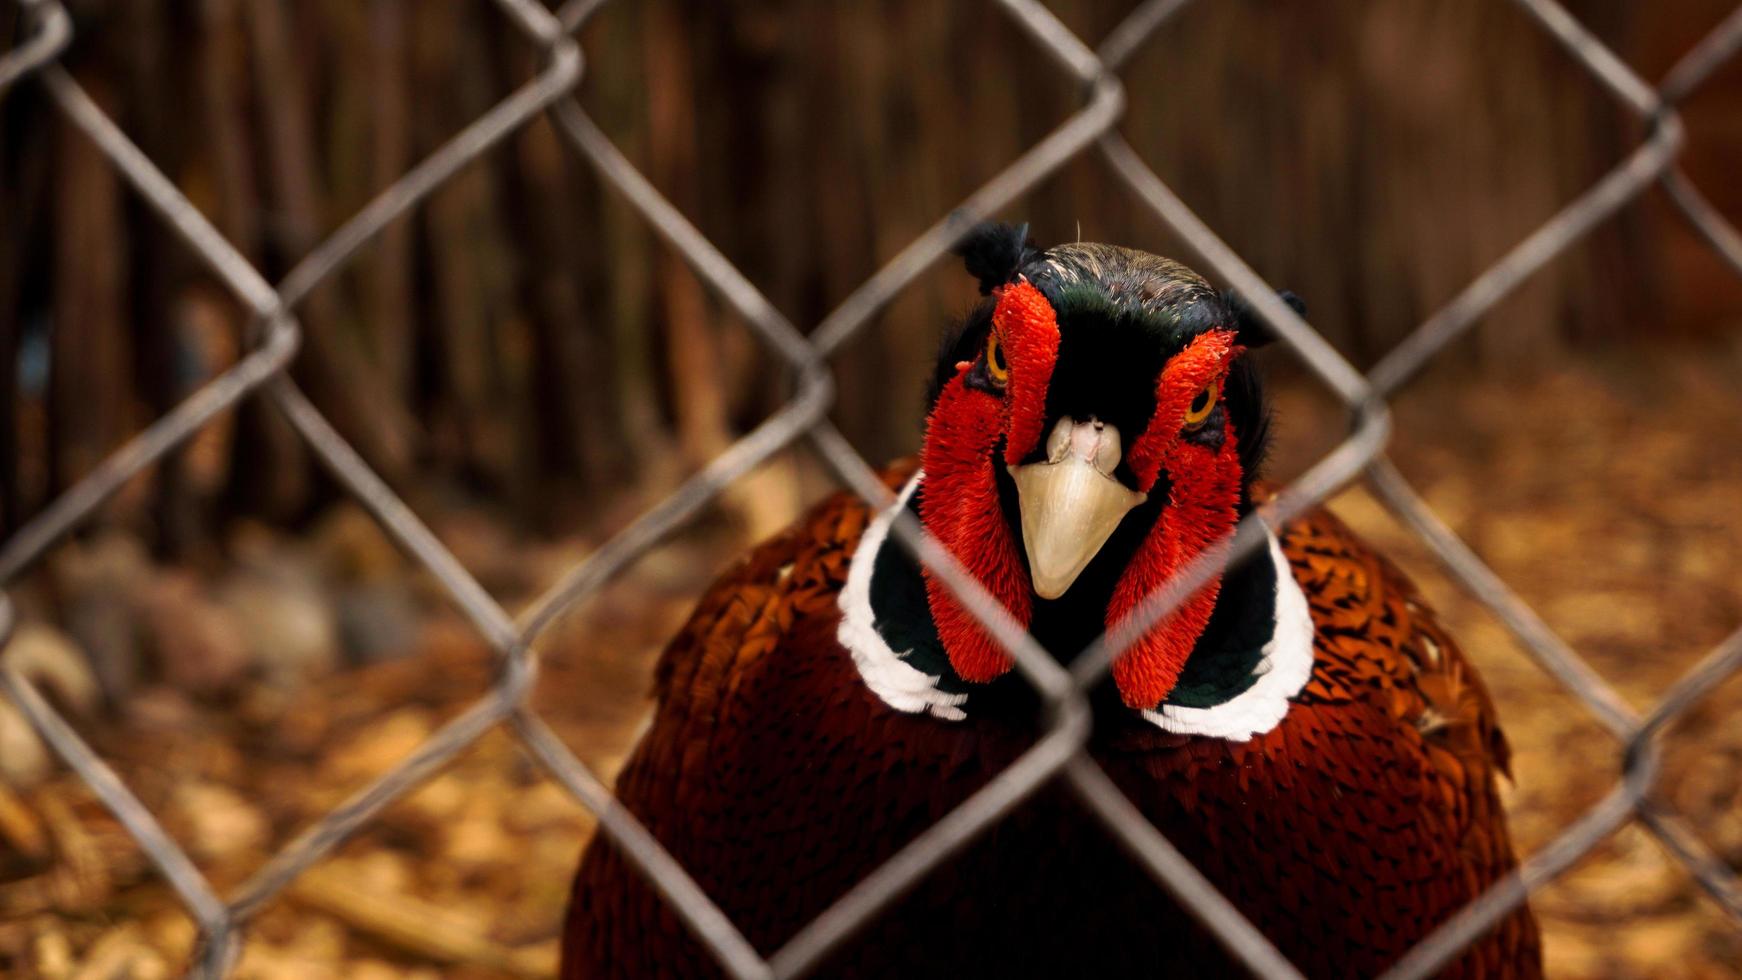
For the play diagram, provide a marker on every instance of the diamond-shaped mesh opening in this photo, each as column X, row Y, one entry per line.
column 1059, row 750
column 1304, row 86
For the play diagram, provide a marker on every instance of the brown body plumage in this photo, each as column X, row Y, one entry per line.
column 772, row 774
column 1299, row 727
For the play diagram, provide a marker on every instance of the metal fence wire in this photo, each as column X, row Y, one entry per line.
column 274, row 335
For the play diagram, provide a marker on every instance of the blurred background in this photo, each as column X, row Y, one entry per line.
column 526, row 363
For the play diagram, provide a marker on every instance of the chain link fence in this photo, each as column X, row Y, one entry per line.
column 274, row 335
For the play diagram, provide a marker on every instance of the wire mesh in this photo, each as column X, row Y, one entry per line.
column 1059, row 754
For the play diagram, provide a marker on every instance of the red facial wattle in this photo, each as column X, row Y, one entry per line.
column 959, row 498
column 1202, row 507
column 958, row 503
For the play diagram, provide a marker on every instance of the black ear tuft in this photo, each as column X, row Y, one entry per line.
column 995, row 253
column 1249, row 327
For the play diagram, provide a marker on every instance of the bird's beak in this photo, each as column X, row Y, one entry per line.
column 1071, row 502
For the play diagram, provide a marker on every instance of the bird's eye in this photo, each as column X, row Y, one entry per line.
column 1199, row 410
column 995, row 364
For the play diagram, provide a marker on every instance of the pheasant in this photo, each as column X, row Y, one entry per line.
column 1301, row 728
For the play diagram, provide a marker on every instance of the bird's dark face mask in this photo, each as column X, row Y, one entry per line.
column 1157, row 455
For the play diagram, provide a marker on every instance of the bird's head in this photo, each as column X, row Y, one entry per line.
column 1093, row 428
